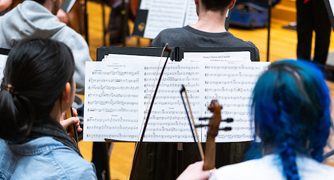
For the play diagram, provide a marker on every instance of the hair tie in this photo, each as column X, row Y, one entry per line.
column 8, row 88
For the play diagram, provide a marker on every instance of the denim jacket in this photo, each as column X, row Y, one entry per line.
column 42, row 158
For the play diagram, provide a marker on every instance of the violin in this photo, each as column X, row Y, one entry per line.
column 76, row 19
column 213, row 128
column 72, row 130
column 133, row 9
column 15, row 3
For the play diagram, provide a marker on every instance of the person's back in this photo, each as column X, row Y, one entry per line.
column 291, row 113
column 191, row 37
column 32, row 19
column 37, row 87
column 209, row 31
column 270, row 167
column 292, row 122
column 42, row 158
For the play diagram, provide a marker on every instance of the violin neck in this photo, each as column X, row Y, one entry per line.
column 210, row 153
column 71, row 128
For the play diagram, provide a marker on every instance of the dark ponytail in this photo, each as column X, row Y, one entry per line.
column 34, row 78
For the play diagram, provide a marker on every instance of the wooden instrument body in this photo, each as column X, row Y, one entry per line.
column 133, row 8
column 210, row 147
column 76, row 19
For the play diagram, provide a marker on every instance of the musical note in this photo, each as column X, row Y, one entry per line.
column 119, row 73
column 92, row 119
column 232, row 84
column 104, row 127
column 118, row 92
column 98, row 80
column 103, row 94
column 107, row 87
column 112, row 100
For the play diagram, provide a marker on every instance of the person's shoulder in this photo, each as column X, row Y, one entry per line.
column 253, row 169
column 239, row 42
column 170, row 35
column 73, row 164
column 311, row 169
column 171, row 30
column 71, row 38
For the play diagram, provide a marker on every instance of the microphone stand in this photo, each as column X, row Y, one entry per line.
column 124, row 22
column 269, row 27
column 86, row 23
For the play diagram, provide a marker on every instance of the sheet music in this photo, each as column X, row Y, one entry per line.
column 117, row 93
column 168, row 121
column 3, row 59
column 232, row 57
column 232, row 86
column 145, row 4
column 67, row 5
column 70, row 5
column 331, row 2
column 111, row 101
column 191, row 14
column 164, row 14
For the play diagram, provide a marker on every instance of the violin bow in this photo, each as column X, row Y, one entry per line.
column 192, row 125
column 138, row 146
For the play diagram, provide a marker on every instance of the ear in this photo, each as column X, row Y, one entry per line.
column 67, row 92
column 196, row 2
column 232, row 4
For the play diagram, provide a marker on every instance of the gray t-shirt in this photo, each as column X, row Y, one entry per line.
column 190, row 37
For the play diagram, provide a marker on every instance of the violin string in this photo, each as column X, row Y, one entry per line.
column 147, row 107
column 193, row 124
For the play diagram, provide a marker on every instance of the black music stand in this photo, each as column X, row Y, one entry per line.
column 177, row 54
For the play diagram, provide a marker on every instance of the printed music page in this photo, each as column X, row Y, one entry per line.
column 241, row 56
column 3, row 59
column 331, row 2
column 120, row 90
column 232, row 86
column 191, row 14
column 145, row 4
column 164, row 14
column 111, row 101
column 168, row 121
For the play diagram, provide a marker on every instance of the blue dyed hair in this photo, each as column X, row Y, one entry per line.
column 291, row 108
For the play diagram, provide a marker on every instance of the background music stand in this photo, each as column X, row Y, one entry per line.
column 141, row 51
column 329, row 4
column 4, row 51
column 141, row 21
